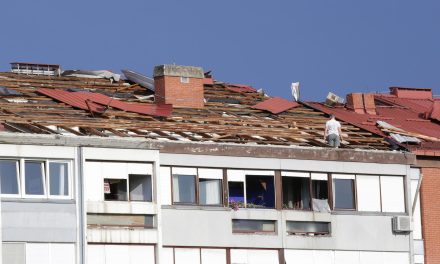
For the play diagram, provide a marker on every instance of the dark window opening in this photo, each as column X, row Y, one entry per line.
column 320, row 196
column 236, row 194
column 260, row 192
column 296, row 193
column 308, row 228
column 140, row 187
column 344, row 194
column 115, row 190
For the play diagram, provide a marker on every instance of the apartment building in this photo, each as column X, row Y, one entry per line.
column 94, row 171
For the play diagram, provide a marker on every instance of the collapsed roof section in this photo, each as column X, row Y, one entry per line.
column 228, row 114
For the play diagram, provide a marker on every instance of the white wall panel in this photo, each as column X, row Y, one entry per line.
column 295, row 174
column 343, row 176
column 319, row 176
column 213, row 256
column 62, row 253
column 395, row 258
column 392, row 194
column 116, row 254
column 141, row 254
column 262, row 257
column 299, row 256
column 165, row 185
column 95, row 254
column 236, row 175
column 260, row 172
column 184, row 171
column 323, row 257
column 368, row 193
column 93, row 181
column 371, row 258
column 37, row 253
column 140, row 168
column 167, row 256
column 417, row 231
column 187, row 255
column 114, row 170
column 211, row 173
column 347, row 257
column 239, row 256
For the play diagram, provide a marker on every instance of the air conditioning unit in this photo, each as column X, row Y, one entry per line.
column 402, row 224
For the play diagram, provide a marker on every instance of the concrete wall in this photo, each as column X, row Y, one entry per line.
column 39, row 221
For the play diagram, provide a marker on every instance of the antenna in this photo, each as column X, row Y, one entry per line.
column 295, row 91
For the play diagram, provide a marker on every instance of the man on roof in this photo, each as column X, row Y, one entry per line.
column 332, row 133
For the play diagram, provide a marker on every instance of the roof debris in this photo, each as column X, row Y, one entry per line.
column 276, row 105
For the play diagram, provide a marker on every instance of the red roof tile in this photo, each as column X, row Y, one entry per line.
column 434, row 113
column 71, row 99
column 240, row 88
column 275, row 105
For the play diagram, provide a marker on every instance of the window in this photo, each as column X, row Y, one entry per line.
column 140, row 187
column 260, row 191
column 308, row 228
column 34, row 178
column 58, row 178
column 115, row 189
column 393, row 196
column 368, row 193
column 236, row 194
column 343, row 192
column 184, row 79
column 296, row 191
column 9, row 177
column 120, row 220
column 184, row 189
column 253, row 226
column 210, row 191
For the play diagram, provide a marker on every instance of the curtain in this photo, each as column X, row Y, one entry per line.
column 210, row 191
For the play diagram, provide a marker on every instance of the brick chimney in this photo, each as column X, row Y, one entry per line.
column 181, row 86
column 361, row 103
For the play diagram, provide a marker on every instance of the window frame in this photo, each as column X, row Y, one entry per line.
column 44, row 178
column 17, row 178
column 255, row 232
column 128, row 188
column 69, row 180
column 352, row 178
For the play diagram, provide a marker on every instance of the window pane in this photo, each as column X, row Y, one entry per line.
column 59, row 178
column 184, row 189
column 210, row 191
column 140, row 187
column 120, row 220
column 34, row 178
column 239, row 225
column 8, row 176
column 260, row 191
column 115, row 189
column 236, row 194
column 296, row 193
column 344, row 193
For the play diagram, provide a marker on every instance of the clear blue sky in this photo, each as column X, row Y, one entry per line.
column 340, row 45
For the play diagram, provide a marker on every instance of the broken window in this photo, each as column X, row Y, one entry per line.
column 140, row 187
column 260, row 191
column 184, row 189
column 115, row 189
column 343, row 192
column 236, row 194
column 210, row 191
column 9, row 177
column 34, row 178
column 253, row 226
column 58, row 178
column 308, row 228
column 296, row 190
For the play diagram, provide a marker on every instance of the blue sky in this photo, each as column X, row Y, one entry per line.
column 341, row 45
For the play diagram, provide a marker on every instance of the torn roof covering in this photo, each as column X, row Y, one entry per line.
column 228, row 118
column 276, row 105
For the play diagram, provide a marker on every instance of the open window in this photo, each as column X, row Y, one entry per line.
column 115, row 189
column 344, row 192
column 320, row 196
column 9, row 177
column 296, row 190
column 308, row 228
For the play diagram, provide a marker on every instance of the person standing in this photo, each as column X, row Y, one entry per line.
column 332, row 133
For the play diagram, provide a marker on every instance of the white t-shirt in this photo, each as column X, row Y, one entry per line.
column 332, row 127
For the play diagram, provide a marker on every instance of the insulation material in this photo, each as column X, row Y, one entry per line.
column 405, row 139
column 104, row 74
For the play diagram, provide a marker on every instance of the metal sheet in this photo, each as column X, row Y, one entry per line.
column 140, row 79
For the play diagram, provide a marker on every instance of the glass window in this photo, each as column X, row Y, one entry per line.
column 34, row 177
column 296, row 193
column 236, row 194
column 140, row 187
column 320, row 189
column 308, row 228
column 260, row 192
column 253, row 226
column 59, row 178
column 120, row 220
column 210, row 191
column 9, row 176
column 184, row 190
column 115, row 189
column 344, row 193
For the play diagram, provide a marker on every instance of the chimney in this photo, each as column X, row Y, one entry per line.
column 361, row 103
column 181, row 86
column 411, row 93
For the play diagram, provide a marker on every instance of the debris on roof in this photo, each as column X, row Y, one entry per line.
column 405, row 139
column 240, row 88
column 332, row 99
column 105, row 74
column 275, row 105
column 140, row 79
column 7, row 91
column 434, row 112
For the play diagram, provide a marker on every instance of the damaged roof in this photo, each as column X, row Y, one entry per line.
column 229, row 114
